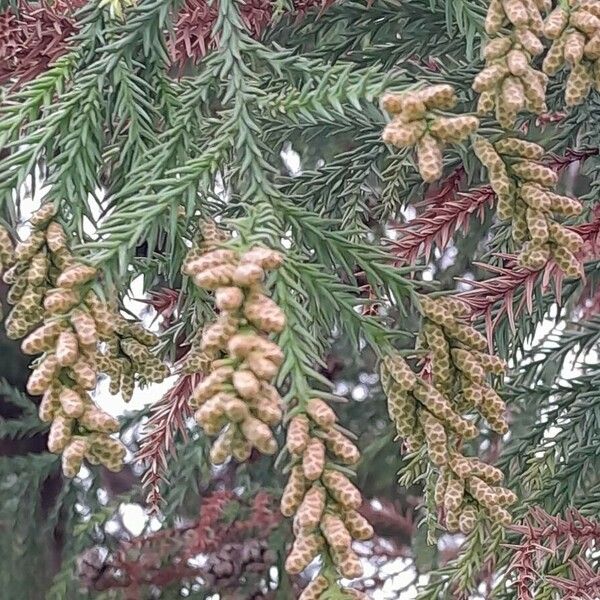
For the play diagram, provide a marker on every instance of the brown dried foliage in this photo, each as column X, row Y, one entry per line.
column 564, row 539
column 38, row 33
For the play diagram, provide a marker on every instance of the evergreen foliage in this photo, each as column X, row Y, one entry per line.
column 365, row 235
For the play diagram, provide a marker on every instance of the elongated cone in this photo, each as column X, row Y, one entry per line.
column 335, row 532
column 313, row 459
column 315, row 588
column 429, row 155
column 341, row 488
column 357, row 525
column 297, row 435
column 293, row 491
column 310, row 510
column 304, row 550
column 72, row 456
column 321, row 413
column 404, row 135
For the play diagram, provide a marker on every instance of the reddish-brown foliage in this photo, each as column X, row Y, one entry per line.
column 224, row 544
column 564, row 539
column 167, row 419
column 38, row 33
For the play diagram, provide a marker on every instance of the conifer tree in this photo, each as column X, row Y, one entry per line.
column 364, row 235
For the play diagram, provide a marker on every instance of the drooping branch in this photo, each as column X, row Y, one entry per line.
column 167, row 419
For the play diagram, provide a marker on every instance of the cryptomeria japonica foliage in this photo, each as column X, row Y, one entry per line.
column 342, row 257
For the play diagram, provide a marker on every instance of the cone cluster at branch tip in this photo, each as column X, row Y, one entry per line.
column 431, row 414
column 574, row 27
column 322, row 500
column 417, row 122
column 236, row 400
column 524, row 188
column 49, row 296
column 508, row 83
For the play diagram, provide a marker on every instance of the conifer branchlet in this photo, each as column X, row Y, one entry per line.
column 509, row 83
column 418, row 122
column 574, row 28
column 321, row 499
column 431, row 414
column 65, row 321
column 526, row 197
column 236, row 400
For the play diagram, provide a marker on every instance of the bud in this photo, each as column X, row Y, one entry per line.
column 42, row 339
column 556, row 22
column 229, row 298
column 60, row 300
column 499, row 515
column 59, row 434
column 209, row 260
column 313, row 459
column 304, row 550
column 293, row 492
column 95, row 419
column 348, row 563
column 310, row 511
column 50, row 404
column 489, row 77
column 584, row 21
column 404, row 135
column 429, row 156
column 41, row 378
column 83, row 374
column 36, row 273
column 67, row 350
column 579, row 84
column 494, row 18
column 335, row 533
column 342, row 447
column 247, row 275
column 315, row 588
column 236, row 410
column 516, row 13
column 265, row 257
column 341, row 488
column 357, row 525
column 221, row 447
column 574, row 45
column 211, row 384
column 529, row 41
column 567, row 262
column 72, row 403
column 467, row 520
column 440, row 96
column 262, row 367
column 321, row 413
column 26, row 250
column 215, row 277
column 468, row 335
column 454, row 129
column 468, row 364
column 554, row 59
column 567, row 238
column 263, row 313
column 297, row 435
column 400, row 371
column 73, row 456
column 216, row 335
column 453, row 498
column 259, row 435
column 520, row 148
column 496, row 48
column 75, row 275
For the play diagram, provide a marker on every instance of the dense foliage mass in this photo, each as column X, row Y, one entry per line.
column 353, row 247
